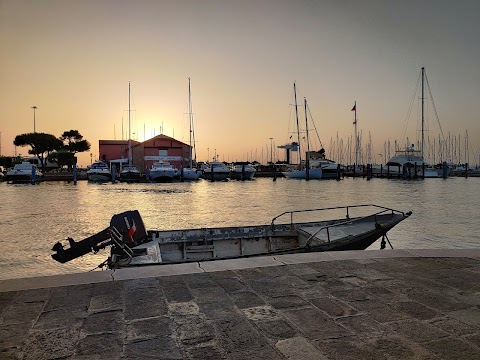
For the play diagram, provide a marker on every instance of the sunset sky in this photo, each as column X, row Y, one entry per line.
column 74, row 59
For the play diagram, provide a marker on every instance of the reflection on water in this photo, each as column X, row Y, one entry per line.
column 33, row 218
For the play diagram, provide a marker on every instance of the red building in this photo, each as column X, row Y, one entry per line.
column 144, row 154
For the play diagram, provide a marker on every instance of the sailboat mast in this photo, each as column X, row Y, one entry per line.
column 307, row 161
column 423, row 109
column 190, row 120
column 298, row 128
column 129, row 134
column 356, row 134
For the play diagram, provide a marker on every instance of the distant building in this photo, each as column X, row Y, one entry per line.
column 144, row 154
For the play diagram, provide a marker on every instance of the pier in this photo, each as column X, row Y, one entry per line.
column 395, row 304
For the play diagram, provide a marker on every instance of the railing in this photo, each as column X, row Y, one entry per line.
column 347, row 208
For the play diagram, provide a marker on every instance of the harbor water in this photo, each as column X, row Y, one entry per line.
column 34, row 217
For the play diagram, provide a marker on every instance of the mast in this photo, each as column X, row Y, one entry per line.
column 307, row 160
column 190, row 120
column 298, row 128
column 129, row 135
column 356, row 134
column 423, row 114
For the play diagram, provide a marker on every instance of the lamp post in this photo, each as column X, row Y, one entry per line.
column 208, row 154
column 215, row 158
column 91, row 159
column 271, row 151
column 34, row 108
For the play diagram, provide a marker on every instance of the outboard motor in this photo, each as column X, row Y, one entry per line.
column 126, row 231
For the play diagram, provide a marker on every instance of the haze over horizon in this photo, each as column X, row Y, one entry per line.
column 74, row 60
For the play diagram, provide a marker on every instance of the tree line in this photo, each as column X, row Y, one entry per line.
column 60, row 150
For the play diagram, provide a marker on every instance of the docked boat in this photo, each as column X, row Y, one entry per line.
column 330, row 169
column 132, row 245
column 312, row 173
column 216, row 171
column 190, row 173
column 162, row 171
column 24, row 172
column 410, row 163
column 304, row 170
column 99, row 172
column 130, row 174
column 242, row 172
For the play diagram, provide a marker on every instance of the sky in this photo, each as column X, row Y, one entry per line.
column 74, row 60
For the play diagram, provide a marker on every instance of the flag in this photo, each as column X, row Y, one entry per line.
column 354, row 107
column 291, row 136
column 132, row 230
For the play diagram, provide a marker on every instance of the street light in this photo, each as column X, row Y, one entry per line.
column 215, row 158
column 34, row 108
column 208, row 154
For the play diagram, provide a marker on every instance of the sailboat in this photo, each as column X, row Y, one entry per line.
column 307, row 172
column 130, row 172
column 190, row 173
column 411, row 162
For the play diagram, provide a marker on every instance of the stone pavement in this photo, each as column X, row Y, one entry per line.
column 395, row 304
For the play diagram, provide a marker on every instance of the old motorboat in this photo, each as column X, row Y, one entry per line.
column 24, row 172
column 99, row 172
column 131, row 245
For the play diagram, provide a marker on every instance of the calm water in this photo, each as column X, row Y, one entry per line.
column 445, row 212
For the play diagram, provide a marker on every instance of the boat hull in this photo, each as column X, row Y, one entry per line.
column 162, row 176
column 216, row 175
column 130, row 176
column 302, row 174
column 191, row 174
column 99, row 177
column 238, row 175
column 20, row 178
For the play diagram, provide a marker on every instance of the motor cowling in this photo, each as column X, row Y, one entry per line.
column 126, row 231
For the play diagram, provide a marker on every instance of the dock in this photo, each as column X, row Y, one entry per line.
column 371, row 304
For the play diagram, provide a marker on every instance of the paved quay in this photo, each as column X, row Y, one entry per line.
column 390, row 304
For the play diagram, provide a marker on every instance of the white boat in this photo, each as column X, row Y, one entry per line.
column 313, row 173
column 130, row 173
column 190, row 173
column 304, row 170
column 99, row 172
column 242, row 172
column 216, row 171
column 24, row 172
column 162, row 171
column 330, row 169
column 290, row 232
column 410, row 163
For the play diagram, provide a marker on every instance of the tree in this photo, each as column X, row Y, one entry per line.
column 73, row 142
column 62, row 158
column 41, row 145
